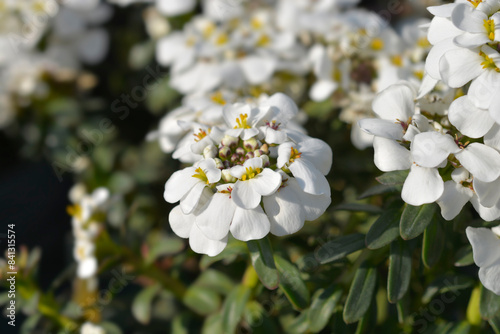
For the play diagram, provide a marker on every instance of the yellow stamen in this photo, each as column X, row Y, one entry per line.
column 218, row 98
column 74, row 210
column 200, row 174
column 255, row 23
column 295, row 154
column 200, row 135
column 489, row 25
column 419, row 74
column 208, row 30
column 488, row 62
column 242, row 122
column 377, row 44
column 397, row 61
column 475, row 3
column 263, row 41
column 222, row 39
column 423, row 42
column 250, row 173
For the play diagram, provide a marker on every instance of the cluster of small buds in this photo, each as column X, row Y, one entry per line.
column 256, row 176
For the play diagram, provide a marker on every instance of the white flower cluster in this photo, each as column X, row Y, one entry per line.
column 70, row 35
column 254, row 175
column 89, row 212
column 90, row 328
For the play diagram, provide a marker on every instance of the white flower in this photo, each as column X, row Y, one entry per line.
column 254, row 181
column 308, row 161
column 273, row 126
column 84, row 255
column 188, row 184
column 486, row 251
column 90, row 328
column 242, row 120
column 175, row 7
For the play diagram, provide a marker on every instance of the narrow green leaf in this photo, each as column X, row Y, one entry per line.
column 384, row 230
column 393, row 178
column 202, row 300
column 291, row 284
column 432, row 244
column 164, row 246
column 415, row 219
column 298, row 325
column 212, row 324
column 368, row 321
column 28, row 326
column 398, row 279
column 360, row 293
column 216, row 281
column 495, row 324
column 340, row 247
column 141, row 306
column 261, row 254
column 358, row 207
column 489, row 304
column 233, row 308
column 110, row 328
column 446, row 283
column 180, row 323
column 322, row 307
column 464, row 256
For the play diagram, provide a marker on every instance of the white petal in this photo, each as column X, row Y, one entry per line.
column 395, row 103
column 318, row 153
column 190, row 201
column 322, row 90
column 490, row 277
column 441, row 29
column 454, row 197
column 458, row 67
column 258, row 69
column 495, row 106
column 203, row 245
column 390, row 156
column 432, row 63
column 180, row 223
column 471, row 121
column 285, row 211
column 382, row 128
column 309, row 178
column 179, row 184
column 93, row 46
column 175, row 7
column 483, row 89
column 427, row 85
column 485, row 246
column 286, row 105
column 87, row 268
column 430, row 149
column 492, row 138
column 284, row 154
column 254, row 163
column 481, row 161
column 266, row 183
column 487, row 192
column 468, row 18
column 468, row 40
column 488, row 214
column 214, row 221
column 244, row 195
column 422, row 186
column 250, row 224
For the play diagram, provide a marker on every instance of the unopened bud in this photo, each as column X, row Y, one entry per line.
column 230, row 141
column 265, row 160
column 218, row 163
column 249, row 155
column 210, row 152
column 240, row 151
column 235, row 158
column 265, row 149
column 257, row 153
column 224, row 152
column 227, row 177
column 227, row 164
column 251, row 144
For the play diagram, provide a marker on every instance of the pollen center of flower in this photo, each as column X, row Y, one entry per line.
column 200, row 174
column 377, row 44
column 218, row 98
column 263, row 40
column 256, row 24
column 74, row 210
column 221, row 39
column 404, row 124
column 229, row 190
column 475, row 3
column 423, row 42
column 200, row 135
column 208, row 30
column 295, row 154
column 489, row 25
column 250, row 173
column 488, row 62
column 273, row 125
column 242, row 122
column 397, row 61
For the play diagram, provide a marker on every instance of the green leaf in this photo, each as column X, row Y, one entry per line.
column 432, row 244
column 202, row 300
column 261, row 254
column 384, row 230
column 495, row 324
column 489, row 304
column 229, row 254
column 141, row 306
column 368, row 321
column 415, row 219
column 393, row 178
column 110, row 328
column 380, row 189
column 233, row 308
column 322, row 307
column 212, row 324
column 446, row 283
column 291, row 283
column 398, row 279
column 340, row 247
column 358, row 207
column 360, row 293
column 216, row 281
column 180, row 323
column 464, row 257
column 298, row 325
column 164, row 246
column 29, row 325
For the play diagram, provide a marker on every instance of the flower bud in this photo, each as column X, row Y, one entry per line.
column 224, row 152
column 235, row 158
column 265, row 160
column 251, row 144
column 240, row 151
column 227, row 177
column 229, row 141
column 210, row 152
column 218, row 163
column 249, row 155
column 265, row 149
column 227, row 164
column 257, row 153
